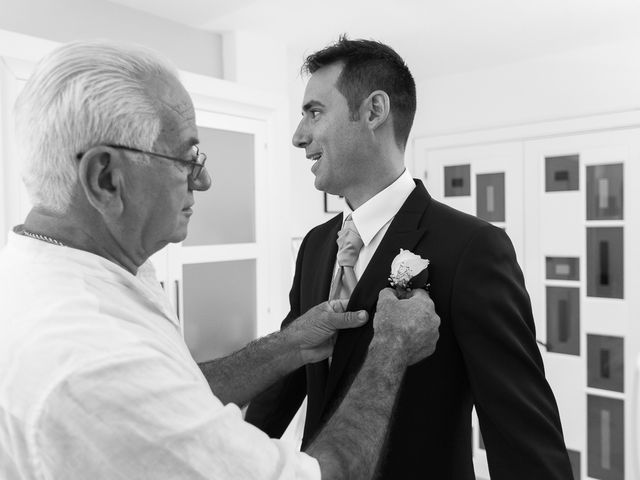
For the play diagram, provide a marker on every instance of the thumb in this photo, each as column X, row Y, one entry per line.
column 349, row 319
column 387, row 293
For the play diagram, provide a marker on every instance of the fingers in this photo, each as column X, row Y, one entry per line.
column 348, row 319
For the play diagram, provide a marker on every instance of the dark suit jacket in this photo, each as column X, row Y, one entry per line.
column 486, row 354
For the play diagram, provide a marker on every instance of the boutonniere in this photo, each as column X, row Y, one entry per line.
column 408, row 271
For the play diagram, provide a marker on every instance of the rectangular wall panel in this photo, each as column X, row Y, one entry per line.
column 605, row 362
column 605, row 192
column 563, row 268
column 563, row 320
column 562, row 173
column 605, row 438
column 605, row 262
column 457, row 181
column 490, row 197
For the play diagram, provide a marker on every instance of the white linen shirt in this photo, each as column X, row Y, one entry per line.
column 372, row 220
column 96, row 381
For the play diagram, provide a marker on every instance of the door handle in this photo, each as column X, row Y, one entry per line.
column 635, row 412
column 177, row 283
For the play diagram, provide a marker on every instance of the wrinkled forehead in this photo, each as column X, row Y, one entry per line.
column 176, row 110
column 172, row 96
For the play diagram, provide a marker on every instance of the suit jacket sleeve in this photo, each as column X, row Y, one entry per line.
column 493, row 324
column 272, row 410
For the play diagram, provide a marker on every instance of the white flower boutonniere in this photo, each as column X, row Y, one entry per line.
column 407, row 270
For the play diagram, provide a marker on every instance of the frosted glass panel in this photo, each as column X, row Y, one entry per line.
column 226, row 212
column 219, row 307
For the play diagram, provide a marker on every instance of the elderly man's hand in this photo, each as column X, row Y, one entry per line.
column 314, row 332
column 410, row 323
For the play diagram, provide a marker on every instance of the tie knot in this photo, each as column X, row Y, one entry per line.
column 349, row 244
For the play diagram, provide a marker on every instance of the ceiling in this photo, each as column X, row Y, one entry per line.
column 436, row 37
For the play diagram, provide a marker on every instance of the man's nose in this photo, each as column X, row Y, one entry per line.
column 202, row 183
column 300, row 136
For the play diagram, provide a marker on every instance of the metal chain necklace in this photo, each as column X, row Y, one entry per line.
column 42, row 238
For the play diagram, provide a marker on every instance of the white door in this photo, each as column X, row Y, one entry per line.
column 486, row 181
column 582, row 233
column 217, row 277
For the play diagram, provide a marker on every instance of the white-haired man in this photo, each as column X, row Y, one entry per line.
column 95, row 379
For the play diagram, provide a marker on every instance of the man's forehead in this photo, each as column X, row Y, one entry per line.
column 183, row 109
column 177, row 102
column 321, row 83
column 171, row 95
column 179, row 130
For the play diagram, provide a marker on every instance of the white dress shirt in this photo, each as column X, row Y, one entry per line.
column 372, row 220
column 96, row 381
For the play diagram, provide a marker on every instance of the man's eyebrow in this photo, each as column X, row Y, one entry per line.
column 309, row 105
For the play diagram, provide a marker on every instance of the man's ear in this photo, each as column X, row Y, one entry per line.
column 377, row 107
column 101, row 176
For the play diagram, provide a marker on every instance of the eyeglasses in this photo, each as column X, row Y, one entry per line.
column 197, row 163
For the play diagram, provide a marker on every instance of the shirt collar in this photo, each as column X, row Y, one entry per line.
column 376, row 212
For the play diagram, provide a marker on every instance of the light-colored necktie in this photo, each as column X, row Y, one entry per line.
column 349, row 245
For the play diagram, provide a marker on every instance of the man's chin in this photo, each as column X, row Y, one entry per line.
column 180, row 233
column 323, row 186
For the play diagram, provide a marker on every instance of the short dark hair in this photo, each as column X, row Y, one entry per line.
column 369, row 65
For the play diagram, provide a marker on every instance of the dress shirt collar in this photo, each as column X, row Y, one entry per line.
column 376, row 212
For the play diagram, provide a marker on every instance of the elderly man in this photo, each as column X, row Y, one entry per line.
column 95, row 379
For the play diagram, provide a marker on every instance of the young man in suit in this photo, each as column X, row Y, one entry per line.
column 357, row 112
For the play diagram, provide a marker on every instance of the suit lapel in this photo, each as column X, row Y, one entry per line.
column 321, row 268
column 351, row 346
column 323, row 262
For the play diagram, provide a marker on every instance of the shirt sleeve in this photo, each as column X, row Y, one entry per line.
column 142, row 417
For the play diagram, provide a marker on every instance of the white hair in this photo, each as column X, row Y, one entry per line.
column 81, row 95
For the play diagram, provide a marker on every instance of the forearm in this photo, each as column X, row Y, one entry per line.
column 350, row 444
column 242, row 375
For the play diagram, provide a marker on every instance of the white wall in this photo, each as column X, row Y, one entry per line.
column 599, row 79
column 67, row 20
